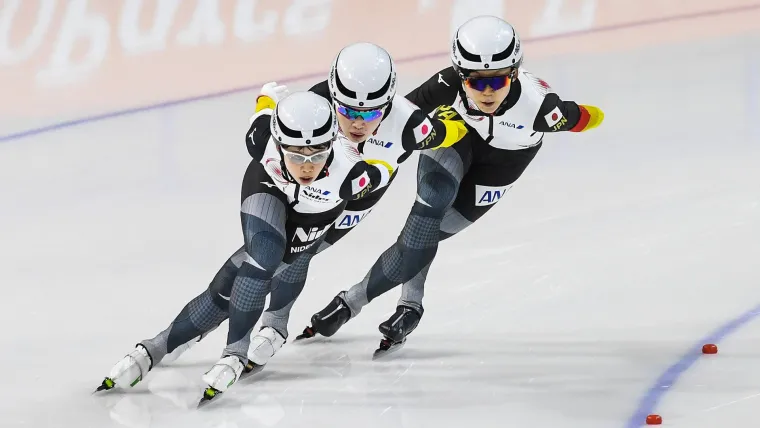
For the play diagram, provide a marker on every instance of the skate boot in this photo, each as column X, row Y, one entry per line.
column 129, row 370
column 327, row 321
column 222, row 375
column 395, row 330
column 263, row 347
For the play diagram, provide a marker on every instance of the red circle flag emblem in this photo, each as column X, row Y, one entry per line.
column 360, row 183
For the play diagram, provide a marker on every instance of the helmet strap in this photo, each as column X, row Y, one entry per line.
column 285, row 172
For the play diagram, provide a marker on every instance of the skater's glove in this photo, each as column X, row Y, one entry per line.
column 591, row 117
column 454, row 124
column 270, row 94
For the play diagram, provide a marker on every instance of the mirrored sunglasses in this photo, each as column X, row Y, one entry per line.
column 495, row 82
column 352, row 114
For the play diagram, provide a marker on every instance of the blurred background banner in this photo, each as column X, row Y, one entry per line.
column 61, row 59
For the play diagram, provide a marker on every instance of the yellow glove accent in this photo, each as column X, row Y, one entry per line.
column 455, row 131
column 596, row 117
column 383, row 163
column 263, row 102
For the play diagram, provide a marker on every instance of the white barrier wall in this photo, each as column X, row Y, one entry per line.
column 68, row 59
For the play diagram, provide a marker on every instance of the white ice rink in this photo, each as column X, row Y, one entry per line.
column 581, row 300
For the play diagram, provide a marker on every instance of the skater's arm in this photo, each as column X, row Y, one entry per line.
column 445, row 128
column 364, row 178
column 556, row 115
column 440, row 89
column 257, row 137
column 261, row 199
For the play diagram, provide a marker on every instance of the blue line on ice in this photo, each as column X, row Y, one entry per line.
column 668, row 378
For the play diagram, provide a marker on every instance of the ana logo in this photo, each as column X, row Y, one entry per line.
column 316, row 194
column 317, row 190
column 510, row 125
column 380, row 143
column 350, row 219
column 310, row 235
column 489, row 195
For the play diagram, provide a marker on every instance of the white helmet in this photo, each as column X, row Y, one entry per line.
column 304, row 119
column 363, row 76
column 485, row 43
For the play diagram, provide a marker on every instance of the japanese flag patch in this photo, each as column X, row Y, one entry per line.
column 360, row 183
column 553, row 117
column 422, row 131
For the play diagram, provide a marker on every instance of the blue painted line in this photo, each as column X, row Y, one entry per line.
column 140, row 109
column 669, row 377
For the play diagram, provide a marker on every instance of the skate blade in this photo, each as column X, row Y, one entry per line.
column 252, row 371
column 382, row 353
column 308, row 333
column 107, row 385
column 209, row 394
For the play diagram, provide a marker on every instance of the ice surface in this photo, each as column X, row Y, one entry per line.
column 613, row 256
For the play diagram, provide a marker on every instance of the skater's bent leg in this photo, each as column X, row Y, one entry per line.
column 413, row 290
column 201, row 315
column 438, row 176
column 263, row 217
column 481, row 188
column 286, row 287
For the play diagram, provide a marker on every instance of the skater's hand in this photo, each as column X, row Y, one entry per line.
column 596, row 116
column 454, row 125
column 445, row 112
column 270, row 94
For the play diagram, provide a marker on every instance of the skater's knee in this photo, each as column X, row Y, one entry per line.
column 436, row 190
column 221, row 286
column 265, row 250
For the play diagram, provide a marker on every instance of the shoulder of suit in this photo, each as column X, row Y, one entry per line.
column 447, row 81
column 347, row 151
column 273, row 167
column 533, row 86
column 448, row 76
column 401, row 111
column 533, row 91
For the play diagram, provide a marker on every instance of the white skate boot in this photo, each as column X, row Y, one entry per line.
column 222, row 375
column 129, row 370
column 263, row 347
